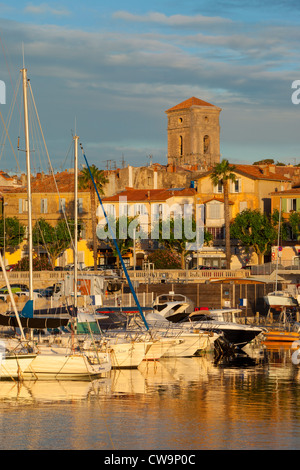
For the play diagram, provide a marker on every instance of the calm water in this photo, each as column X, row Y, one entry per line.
column 179, row 404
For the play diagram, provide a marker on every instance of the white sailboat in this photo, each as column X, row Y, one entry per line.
column 188, row 341
column 15, row 355
column 56, row 362
column 281, row 298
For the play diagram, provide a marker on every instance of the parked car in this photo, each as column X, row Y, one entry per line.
column 14, row 288
column 10, row 267
column 203, row 267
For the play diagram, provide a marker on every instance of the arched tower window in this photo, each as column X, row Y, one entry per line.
column 206, row 144
column 180, row 145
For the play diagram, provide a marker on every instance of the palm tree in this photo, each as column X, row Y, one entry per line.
column 85, row 182
column 223, row 173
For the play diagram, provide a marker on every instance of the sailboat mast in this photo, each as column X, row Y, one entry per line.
column 29, row 199
column 278, row 241
column 75, row 218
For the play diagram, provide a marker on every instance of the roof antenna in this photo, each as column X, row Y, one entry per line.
column 23, row 55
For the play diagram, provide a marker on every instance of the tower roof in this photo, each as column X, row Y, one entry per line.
column 189, row 103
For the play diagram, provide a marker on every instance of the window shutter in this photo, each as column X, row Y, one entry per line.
column 284, row 205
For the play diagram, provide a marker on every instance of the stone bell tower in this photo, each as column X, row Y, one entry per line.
column 193, row 134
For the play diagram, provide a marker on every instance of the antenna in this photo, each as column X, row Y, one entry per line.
column 23, row 55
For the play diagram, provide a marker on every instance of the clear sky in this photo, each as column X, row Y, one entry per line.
column 114, row 68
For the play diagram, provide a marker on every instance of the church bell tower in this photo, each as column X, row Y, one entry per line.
column 193, row 134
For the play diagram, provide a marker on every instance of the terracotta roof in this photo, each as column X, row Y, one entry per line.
column 255, row 172
column 140, row 195
column 189, row 103
column 219, row 199
column 64, row 181
column 287, row 192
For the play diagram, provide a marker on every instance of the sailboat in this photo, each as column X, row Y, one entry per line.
column 50, row 361
column 15, row 355
column 280, row 298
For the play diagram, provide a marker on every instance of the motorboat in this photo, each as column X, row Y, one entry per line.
column 281, row 299
column 172, row 306
column 189, row 341
column 214, row 320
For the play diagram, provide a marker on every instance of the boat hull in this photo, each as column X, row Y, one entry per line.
column 281, row 336
column 238, row 335
column 51, row 364
column 277, row 300
column 126, row 355
column 14, row 366
column 187, row 345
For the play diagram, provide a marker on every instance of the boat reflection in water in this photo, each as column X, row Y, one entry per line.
column 184, row 403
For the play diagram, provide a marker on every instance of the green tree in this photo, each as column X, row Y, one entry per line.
column 255, row 229
column 55, row 239
column 39, row 263
column 173, row 235
column 294, row 222
column 122, row 229
column 85, row 182
column 223, row 173
column 14, row 233
column 165, row 259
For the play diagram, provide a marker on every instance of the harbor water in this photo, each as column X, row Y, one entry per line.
column 246, row 402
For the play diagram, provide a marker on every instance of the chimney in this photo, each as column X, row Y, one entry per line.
column 272, row 168
column 266, row 171
column 155, row 180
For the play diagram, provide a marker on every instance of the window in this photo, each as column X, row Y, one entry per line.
column 157, row 209
column 206, row 144
column 23, row 206
column 62, row 205
column 44, row 204
column 236, row 186
column 180, row 145
column 217, row 232
column 140, row 209
column 218, row 188
column 109, row 209
column 215, row 211
column 243, row 206
column 291, row 205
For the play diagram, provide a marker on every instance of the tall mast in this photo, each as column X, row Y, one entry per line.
column 29, row 199
column 75, row 217
column 278, row 241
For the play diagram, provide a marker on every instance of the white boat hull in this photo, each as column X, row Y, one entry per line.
column 278, row 299
column 187, row 345
column 58, row 364
column 14, row 366
column 157, row 348
column 126, row 355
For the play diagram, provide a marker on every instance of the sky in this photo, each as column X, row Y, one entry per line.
column 109, row 70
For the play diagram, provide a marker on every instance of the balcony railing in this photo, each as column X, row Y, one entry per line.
column 284, row 266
